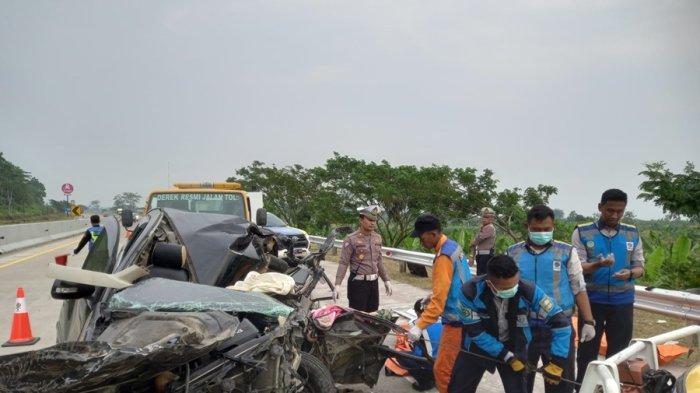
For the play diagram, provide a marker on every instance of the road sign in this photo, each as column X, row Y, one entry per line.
column 77, row 210
column 67, row 188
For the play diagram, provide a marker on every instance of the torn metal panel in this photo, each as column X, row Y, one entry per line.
column 133, row 349
column 158, row 294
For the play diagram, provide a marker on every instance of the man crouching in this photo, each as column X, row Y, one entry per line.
column 495, row 310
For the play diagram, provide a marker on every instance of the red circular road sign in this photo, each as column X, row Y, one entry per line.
column 67, row 188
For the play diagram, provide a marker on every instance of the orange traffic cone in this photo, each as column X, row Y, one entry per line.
column 21, row 333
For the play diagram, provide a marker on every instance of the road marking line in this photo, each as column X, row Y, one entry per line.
column 37, row 254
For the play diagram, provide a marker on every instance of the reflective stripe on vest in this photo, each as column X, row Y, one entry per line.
column 460, row 275
column 601, row 285
column 94, row 234
column 549, row 270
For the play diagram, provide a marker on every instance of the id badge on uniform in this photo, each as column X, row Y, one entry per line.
column 556, row 265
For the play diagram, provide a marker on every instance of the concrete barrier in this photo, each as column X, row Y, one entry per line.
column 16, row 236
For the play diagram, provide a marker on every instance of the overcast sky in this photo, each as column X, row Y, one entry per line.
column 576, row 94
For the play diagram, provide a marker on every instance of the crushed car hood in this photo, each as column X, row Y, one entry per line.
column 133, row 348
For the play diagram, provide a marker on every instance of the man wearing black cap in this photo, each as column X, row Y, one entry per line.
column 450, row 272
column 362, row 253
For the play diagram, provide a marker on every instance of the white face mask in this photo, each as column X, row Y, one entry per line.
column 505, row 293
column 541, row 238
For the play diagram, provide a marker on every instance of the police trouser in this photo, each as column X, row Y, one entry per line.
column 450, row 345
column 469, row 369
column 481, row 263
column 539, row 348
column 363, row 295
column 616, row 320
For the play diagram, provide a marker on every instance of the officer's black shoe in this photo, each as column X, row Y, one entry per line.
column 421, row 388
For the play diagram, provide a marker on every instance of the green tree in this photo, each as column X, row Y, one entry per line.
column 558, row 214
column 678, row 194
column 511, row 207
column 294, row 193
column 20, row 192
column 126, row 200
column 95, row 206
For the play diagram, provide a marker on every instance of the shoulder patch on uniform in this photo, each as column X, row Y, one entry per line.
column 546, row 304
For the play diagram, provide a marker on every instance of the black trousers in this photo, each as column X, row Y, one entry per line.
column 363, row 295
column 469, row 369
column 616, row 320
column 421, row 372
column 539, row 349
column 481, row 261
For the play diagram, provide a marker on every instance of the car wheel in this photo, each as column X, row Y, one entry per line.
column 315, row 375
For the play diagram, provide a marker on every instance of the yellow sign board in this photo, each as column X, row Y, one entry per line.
column 77, row 210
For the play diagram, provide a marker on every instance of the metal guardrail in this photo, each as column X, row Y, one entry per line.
column 661, row 301
column 605, row 372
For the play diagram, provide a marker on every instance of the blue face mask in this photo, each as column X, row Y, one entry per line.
column 506, row 293
column 541, row 238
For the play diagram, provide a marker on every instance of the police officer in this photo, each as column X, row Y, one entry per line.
column 555, row 268
column 495, row 310
column 612, row 258
column 450, row 272
column 90, row 235
column 483, row 243
column 362, row 253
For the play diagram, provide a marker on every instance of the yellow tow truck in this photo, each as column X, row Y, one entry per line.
column 218, row 197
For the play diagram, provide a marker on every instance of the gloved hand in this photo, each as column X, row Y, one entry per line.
column 552, row 373
column 587, row 333
column 514, row 362
column 415, row 333
column 389, row 288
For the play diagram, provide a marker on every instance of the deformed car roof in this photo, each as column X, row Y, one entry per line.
column 206, row 236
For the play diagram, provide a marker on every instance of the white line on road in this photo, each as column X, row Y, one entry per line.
column 37, row 254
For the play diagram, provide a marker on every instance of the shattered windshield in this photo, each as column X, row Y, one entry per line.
column 159, row 294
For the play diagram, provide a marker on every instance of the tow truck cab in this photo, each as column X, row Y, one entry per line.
column 218, row 197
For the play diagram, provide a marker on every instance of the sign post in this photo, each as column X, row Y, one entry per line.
column 67, row 189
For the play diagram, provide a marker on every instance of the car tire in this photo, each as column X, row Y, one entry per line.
column 316, row 376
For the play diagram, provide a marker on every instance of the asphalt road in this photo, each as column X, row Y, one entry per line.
column 27, row 269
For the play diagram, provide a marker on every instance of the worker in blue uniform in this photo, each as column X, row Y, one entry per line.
column 555, row 267
column 496, row 310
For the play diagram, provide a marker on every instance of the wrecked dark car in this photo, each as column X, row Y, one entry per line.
column 157, row 316
column 176, row 328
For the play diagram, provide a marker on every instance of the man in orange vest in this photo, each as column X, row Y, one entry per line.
column 450, row 272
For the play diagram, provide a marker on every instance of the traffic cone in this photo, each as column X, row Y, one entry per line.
column 21, row 333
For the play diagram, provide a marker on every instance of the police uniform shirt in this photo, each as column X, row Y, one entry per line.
column 363, row 254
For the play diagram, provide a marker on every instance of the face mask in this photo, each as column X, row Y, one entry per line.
column 506, row 293
column 541, row 238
